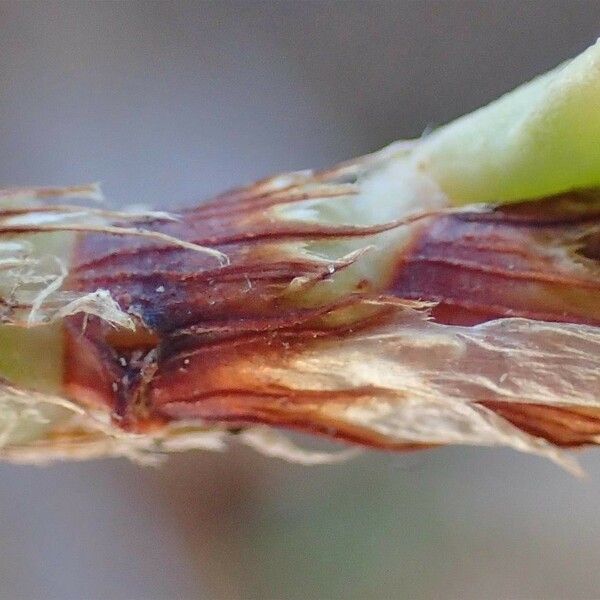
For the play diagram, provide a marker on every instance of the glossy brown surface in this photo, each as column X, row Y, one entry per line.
column 525, row 260
column 198, row 321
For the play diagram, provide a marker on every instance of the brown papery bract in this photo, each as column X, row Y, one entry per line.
column 484, row 331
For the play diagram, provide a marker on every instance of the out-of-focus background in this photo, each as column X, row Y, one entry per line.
column 167, row 103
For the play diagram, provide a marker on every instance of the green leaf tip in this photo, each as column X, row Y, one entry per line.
column 543, row 138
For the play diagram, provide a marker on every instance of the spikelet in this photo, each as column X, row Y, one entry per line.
column 392, row 301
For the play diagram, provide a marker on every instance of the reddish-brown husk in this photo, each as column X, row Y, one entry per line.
column 199, row 322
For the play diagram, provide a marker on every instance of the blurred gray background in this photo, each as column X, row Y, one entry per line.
column 167, row 103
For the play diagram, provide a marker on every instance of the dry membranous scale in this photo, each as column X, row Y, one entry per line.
column 439, row 291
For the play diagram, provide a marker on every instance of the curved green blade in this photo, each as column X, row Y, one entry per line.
column 543, row 138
